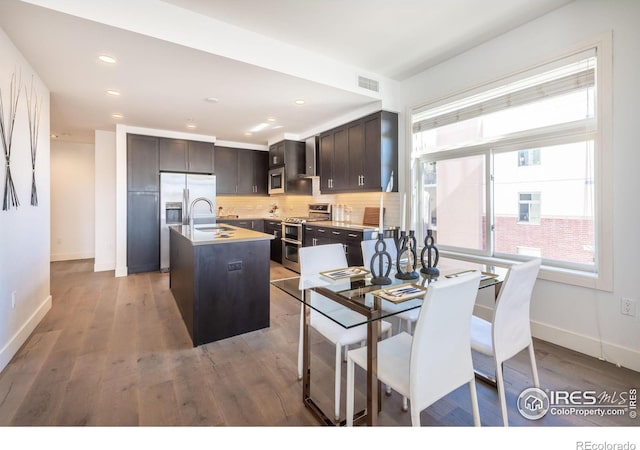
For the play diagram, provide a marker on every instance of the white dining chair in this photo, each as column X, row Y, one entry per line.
column 313, row 260
column 368, row 250
column 436, row 360
column 510, row 330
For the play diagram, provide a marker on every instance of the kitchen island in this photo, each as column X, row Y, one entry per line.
column 219, row 278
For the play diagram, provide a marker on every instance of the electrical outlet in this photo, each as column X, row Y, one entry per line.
column 627, row 307
column 13, row 299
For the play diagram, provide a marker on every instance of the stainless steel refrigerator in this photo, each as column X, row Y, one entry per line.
column 177, row 191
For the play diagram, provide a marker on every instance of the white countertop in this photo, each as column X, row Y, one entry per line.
column 226, row 235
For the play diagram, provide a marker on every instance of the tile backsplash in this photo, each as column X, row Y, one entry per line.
column 297, row 205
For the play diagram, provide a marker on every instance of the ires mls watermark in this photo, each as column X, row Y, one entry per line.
column 534, row 403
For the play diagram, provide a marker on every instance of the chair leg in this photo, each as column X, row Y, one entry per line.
column 388, row 388
column 337, row 382
column 300, row 342
column 350, row 391
column 474, row 402
column 534, row 367
column 501, row 394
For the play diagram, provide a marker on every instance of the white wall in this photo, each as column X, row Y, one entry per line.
column 24, row 231
column 584, row 319
column 72, row 200
column 105, row 201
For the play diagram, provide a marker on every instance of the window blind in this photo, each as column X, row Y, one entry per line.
column 566, row 79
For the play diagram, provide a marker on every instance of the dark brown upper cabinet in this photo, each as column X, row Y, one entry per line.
column 177, row 155
column 360, row 156
column 241, row 171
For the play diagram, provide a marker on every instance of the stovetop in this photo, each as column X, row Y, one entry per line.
column 317, row 212
column 303, row 219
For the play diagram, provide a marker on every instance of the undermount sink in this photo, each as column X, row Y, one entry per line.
column 214, row 228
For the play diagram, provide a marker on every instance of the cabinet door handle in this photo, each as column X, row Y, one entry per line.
column 320, row 230
column 336, row 232
column 353, row 235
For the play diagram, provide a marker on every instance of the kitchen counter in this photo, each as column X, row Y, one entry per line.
column 350, row 226
column 206, row 234
column 220, row 280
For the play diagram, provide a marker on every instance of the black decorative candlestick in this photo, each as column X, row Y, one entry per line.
column 432, row 262
column 380, row 272
column 407, row 245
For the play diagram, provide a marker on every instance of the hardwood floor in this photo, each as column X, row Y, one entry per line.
column 114, row 352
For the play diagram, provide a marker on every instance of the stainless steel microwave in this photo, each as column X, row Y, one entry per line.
column 277, row 181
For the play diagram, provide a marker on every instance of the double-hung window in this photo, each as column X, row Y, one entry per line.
column 512, row 171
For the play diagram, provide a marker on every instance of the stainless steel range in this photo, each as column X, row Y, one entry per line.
column 293, row 236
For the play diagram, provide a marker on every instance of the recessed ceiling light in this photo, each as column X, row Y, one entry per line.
column 259, row 127
column 299, row 102
column 107, row 59
column 248, row 133
column 117, row 116
column 191, row 126
column 271, row 119
column 211, row 100
column 113, row 92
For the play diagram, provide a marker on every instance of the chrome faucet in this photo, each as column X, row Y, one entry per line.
column 190, row 212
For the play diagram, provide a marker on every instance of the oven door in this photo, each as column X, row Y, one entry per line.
column 292, row 232
column 276, row 181
column 291, row 243
column 290, row 255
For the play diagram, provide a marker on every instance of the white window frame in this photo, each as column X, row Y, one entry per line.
column 602, row 278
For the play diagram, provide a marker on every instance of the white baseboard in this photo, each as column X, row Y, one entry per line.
column 104, row 266
column 122, row 271
column 21, row 336
column 613, row 353
column 70, row 256
column 607, row 351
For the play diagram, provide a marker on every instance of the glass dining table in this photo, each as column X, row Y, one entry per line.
column 343, row 291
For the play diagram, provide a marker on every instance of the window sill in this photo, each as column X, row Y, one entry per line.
column 550, row 273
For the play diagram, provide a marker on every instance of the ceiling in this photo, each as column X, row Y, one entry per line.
column 277, row 51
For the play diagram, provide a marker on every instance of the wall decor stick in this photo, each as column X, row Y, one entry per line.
column 34, row 105
column 6, row 134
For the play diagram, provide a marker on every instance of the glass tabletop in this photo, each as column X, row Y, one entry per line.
column 352, row 299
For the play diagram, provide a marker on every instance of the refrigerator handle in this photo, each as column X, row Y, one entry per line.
column 185, row 206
